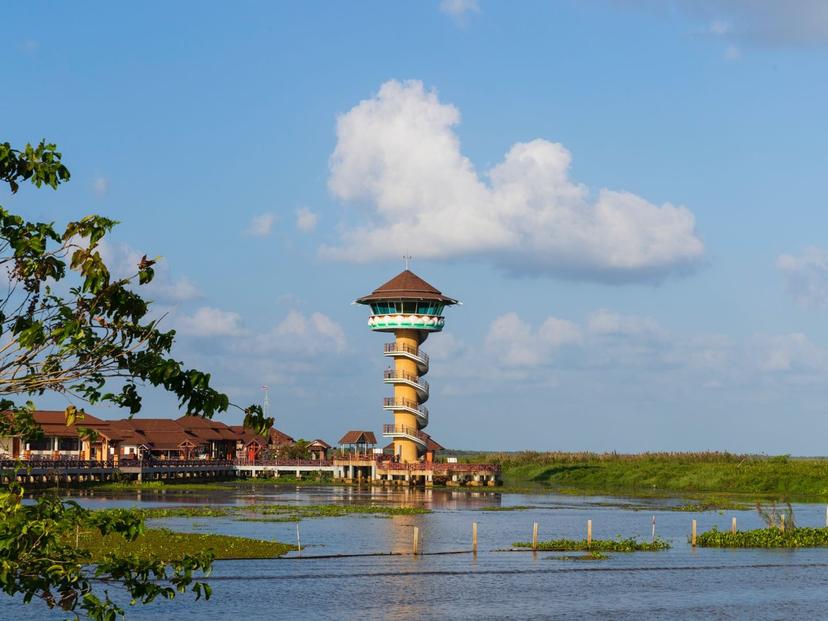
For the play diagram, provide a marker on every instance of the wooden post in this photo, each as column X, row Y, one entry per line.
column 589, row 532
column 826, row 517
column 298, row 541
column 653, row 529
column 693, row 534
column 474, row 538
column 733, row 525
column 782, row 523
column 535, row 536
column 416, row 540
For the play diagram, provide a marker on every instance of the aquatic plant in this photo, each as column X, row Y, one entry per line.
column 802, row 537
column 630, row 544
column 167, row 545
column 285, row 513
column 509, row 508
column 712, row 504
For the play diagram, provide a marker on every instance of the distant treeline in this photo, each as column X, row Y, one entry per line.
column 543, row 458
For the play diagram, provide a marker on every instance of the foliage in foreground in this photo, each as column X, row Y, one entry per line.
column 801, row 537
column 71, row 327
column 40, row 557
column 630, row 544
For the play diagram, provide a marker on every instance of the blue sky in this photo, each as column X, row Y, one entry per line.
column 626, row 195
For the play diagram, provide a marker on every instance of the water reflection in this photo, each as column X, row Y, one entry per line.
column 680, row 583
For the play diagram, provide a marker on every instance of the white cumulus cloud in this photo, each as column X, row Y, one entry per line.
column 100, row 186
column 306, row 220
column 398, row 153
column 261, row 225
column 806, row 276
column 209, row 321
column 122, row 261
column 790, row 353
column 515, row 343
column 297, row 333
column 766, row 23
column 459, row 8
column 608, row 323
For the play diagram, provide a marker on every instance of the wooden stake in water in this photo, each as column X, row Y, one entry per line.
column 416, row 539
column 298, row 541
column 474, row 538
column 826, row 517
column 733, row 525
column 535, row 536
column 693, row 534
column 653, row 529
column 589, row 532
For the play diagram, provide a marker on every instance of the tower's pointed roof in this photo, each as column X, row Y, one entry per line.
column 406, row 286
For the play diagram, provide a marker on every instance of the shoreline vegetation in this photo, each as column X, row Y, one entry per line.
column 663, row 474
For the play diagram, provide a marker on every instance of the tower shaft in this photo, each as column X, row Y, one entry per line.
column 406, row 450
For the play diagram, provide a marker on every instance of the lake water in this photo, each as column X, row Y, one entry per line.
column 680, row 583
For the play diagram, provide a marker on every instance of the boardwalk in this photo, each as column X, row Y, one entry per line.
column 364, row 468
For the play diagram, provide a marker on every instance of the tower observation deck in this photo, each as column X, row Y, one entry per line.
column 410, row 308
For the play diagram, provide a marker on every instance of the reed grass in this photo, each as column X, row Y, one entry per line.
column 664, row 473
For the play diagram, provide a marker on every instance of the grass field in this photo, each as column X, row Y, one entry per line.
column 664, row 473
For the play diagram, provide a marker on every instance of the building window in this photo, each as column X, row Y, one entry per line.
column 68, row 444
column 41, row 444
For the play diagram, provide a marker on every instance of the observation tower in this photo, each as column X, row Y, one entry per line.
column 410, row 308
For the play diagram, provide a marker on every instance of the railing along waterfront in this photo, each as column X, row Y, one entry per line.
column 55, row 464
column 391, row 348
column 175, row 463
column 322, row 463
column 440, row 467
column 391, row 374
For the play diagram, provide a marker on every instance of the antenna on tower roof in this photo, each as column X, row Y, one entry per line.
column 407, row 259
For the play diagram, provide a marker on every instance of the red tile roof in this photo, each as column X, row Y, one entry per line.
column 53, row 424
column 157, row 433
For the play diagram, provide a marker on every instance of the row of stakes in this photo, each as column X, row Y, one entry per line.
column 416, row 546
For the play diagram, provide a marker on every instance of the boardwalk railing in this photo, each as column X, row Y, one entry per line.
column 321, row 463
column 175, row 463
column 55, row 464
